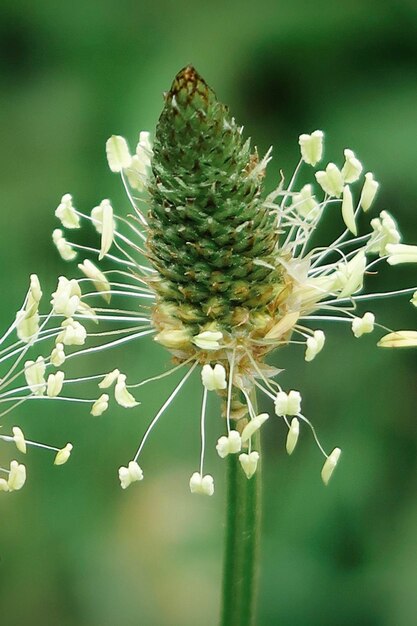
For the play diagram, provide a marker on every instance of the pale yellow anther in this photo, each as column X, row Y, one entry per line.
column 109, row 379
column 363, row 325
column 331, row 180
column 100, row 405
column 385, row 231
column 97, row 277
column 122, row 395
column 293, row 434
column 19, row 439
column 208, row 340
column 66, row 212
column 203, row 485
column 63, row 455
column 314, row 345
column 311, row 147
column 249, row 463
column 213, row 378
column 330, row 464
column 399, row 339
column 73, row 333
column 118, row 155
column 55, row 384
column 348, row 212
column 229, row 445
column 305, row 204
column 401, row 253
column 130, row 474
column 369, row 189
column 350, row 275
column 35, row 376
column 58, row 355
column 64, row 248
column 252, row 426
column 352, row 167
column 107, row 228
column 17, row 476
column 288, row 403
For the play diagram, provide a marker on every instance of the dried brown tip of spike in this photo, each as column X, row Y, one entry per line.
column 188, row 81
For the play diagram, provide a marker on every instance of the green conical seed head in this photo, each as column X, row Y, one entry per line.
column 211, row 236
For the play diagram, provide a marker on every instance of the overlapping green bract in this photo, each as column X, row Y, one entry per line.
column 207, row 221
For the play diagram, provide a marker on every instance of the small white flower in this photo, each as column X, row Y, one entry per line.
column 399, row 339
column 292, row 436
column 331, row 180
column 64, row 248
column 288, row 403
column 229, row 445
column 55, row 383
column 363, row 325
column 254, row 425
column 19, row 439
column 66, row 212
column 401, row 253
column 122, row 395
column 330, row 464
column 203, row 485
column 118, row 155
column 213, row 378
column 97, row 277
column 130, row 474
column 58, row 355
column 352, row 167
column 63, row 455
column 17, row 476
column 73, row 333
column 414, row 299
column 109, row 379
column 348, row 212
column 3, row 485
column 314, row 345
column 100, row 405
column 35, row 375
column 208, row 340
column 305, row 204
column 311, row 147
column 369, row 189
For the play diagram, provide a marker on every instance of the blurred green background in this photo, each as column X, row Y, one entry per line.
column 74, row 549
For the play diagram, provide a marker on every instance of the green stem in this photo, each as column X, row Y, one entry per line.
column 240, row 574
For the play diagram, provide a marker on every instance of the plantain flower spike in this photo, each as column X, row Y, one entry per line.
column 221, row 273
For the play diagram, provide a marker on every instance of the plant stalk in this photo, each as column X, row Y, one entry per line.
column 240, row 573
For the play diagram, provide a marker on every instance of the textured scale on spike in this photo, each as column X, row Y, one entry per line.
column 207, row 221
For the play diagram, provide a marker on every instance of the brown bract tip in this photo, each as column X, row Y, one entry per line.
column 188, row 81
